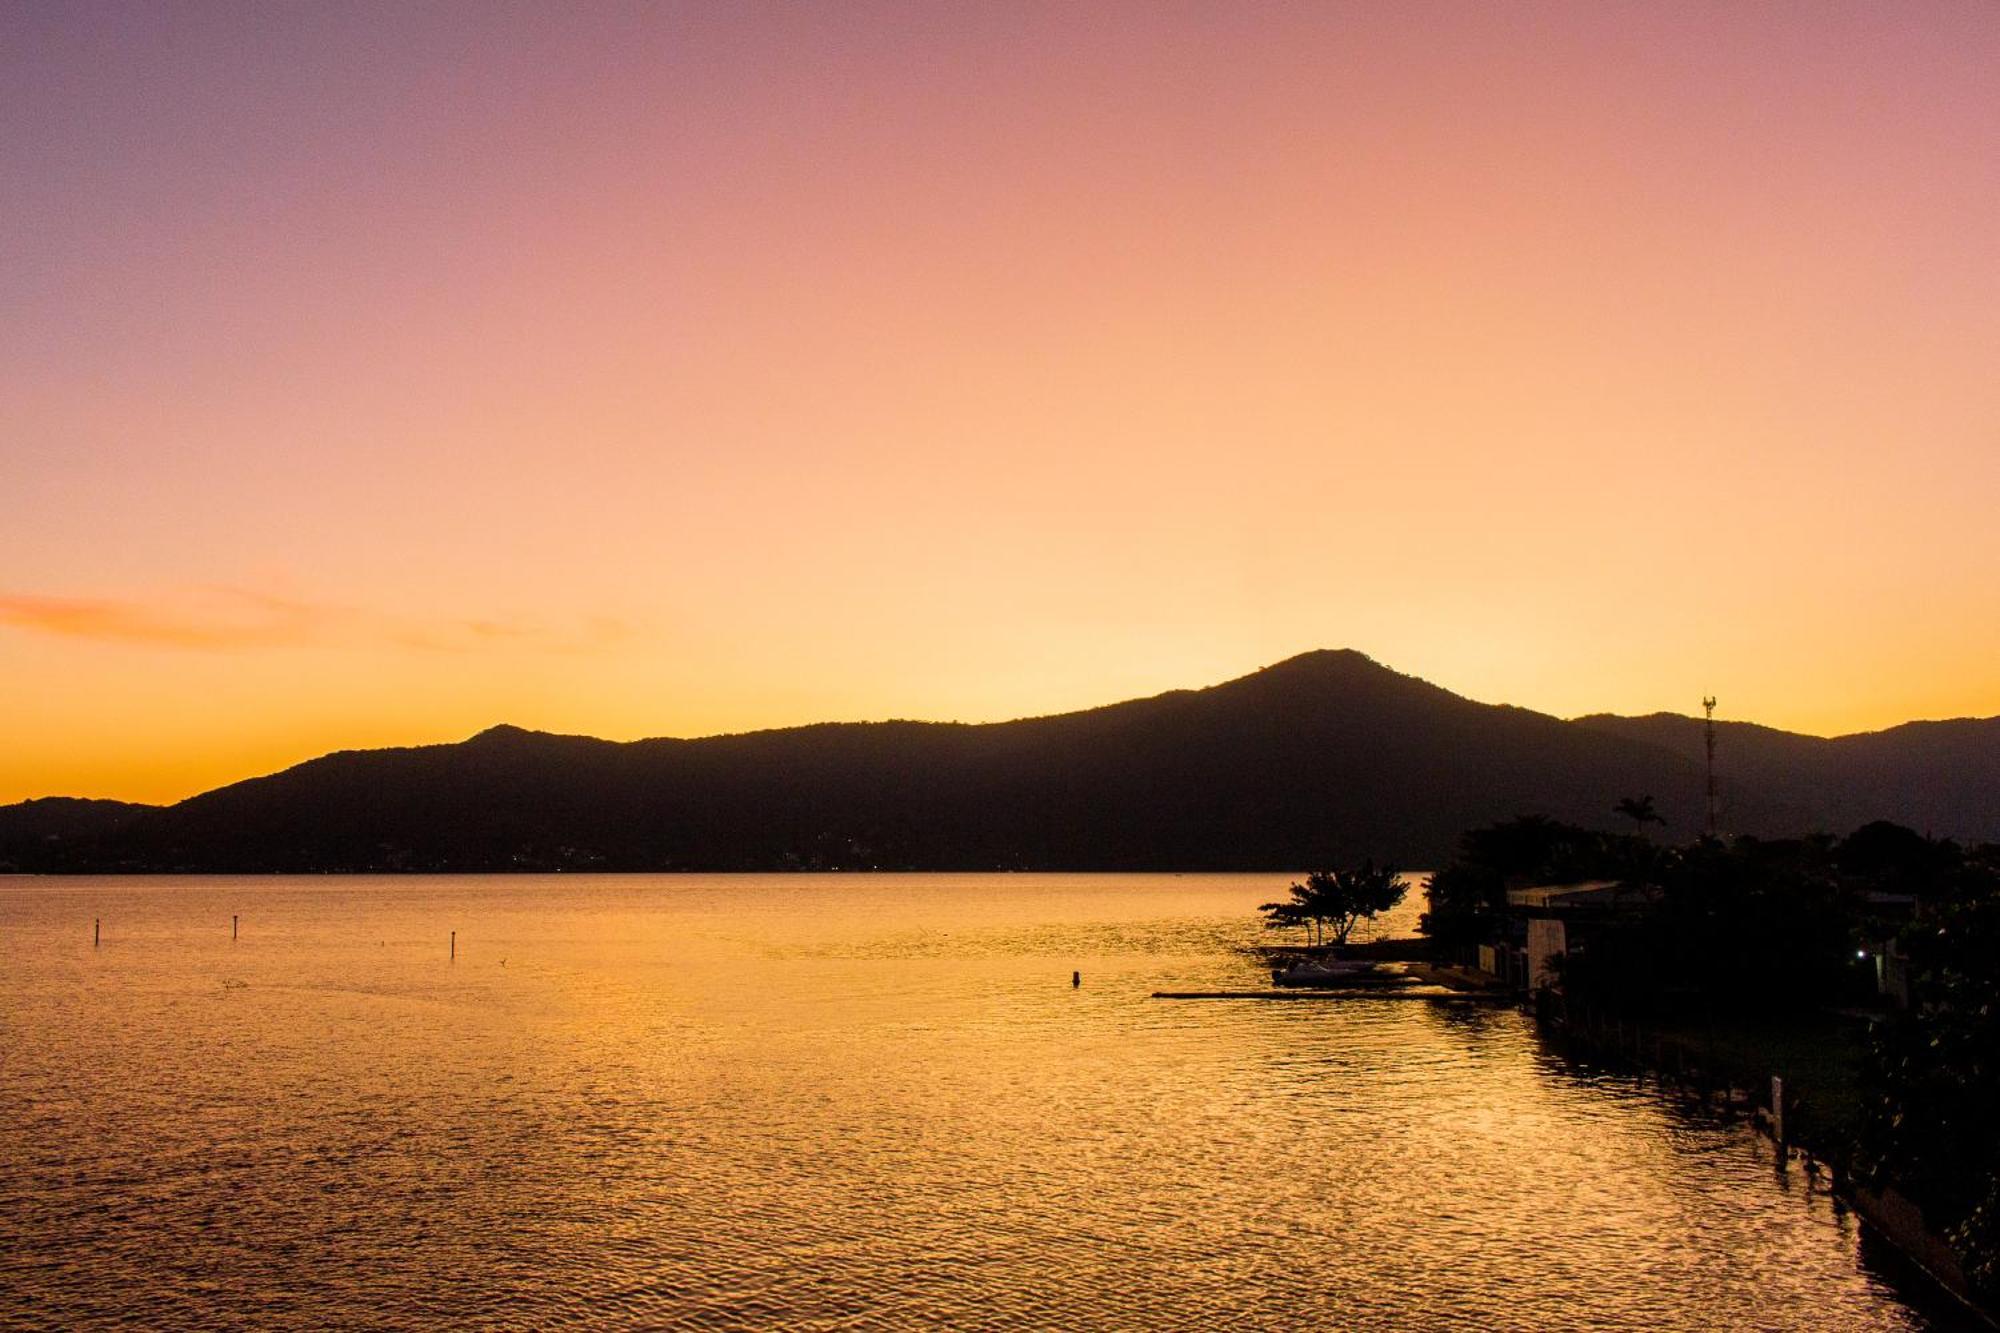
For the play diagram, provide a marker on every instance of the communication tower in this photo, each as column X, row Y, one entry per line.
column 1708, row 741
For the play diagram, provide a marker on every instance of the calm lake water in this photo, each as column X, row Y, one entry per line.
column 825, row 1102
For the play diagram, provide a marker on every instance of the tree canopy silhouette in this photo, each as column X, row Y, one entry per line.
column 1334, row 902
column 1639, row 809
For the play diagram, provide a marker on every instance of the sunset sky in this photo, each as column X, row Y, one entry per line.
column 372, row 374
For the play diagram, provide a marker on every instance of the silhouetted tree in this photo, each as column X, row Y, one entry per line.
column 1639, row 809
column 1465, row 900
column 1295, row 912
column 1468, row 896
column 1336, row 901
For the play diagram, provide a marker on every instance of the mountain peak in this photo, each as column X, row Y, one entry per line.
column 1322, row 661
column 501, row 733
column 1339, row 678
column 1323, row 669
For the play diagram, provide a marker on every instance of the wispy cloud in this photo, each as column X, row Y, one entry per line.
column 226, row 619
column 130, row 622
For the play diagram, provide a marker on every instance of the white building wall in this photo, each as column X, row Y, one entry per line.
column 1546, row 939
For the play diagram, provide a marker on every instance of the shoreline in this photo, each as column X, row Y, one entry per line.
column 1892, row 1218
column 1676, row 1064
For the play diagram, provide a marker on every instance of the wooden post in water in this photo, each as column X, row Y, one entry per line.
column 232, row 926
column 454, row 946
column 1778, row 1113
column 96, row 930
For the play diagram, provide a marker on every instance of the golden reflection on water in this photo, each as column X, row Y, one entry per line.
column 825, row 1102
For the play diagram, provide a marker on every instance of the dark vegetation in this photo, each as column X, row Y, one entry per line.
column 1933, row 1076
column 1334, row 902
column 1765, row 954
column 1321, row 760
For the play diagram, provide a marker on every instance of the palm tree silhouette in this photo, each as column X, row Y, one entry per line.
column 1640, row 811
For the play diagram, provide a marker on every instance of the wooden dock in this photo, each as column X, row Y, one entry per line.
column 1374, row 993
column 1405, row 975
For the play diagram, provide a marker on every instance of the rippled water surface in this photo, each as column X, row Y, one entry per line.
column 824, row 1102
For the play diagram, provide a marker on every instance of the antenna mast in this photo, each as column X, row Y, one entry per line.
column 1708, row 740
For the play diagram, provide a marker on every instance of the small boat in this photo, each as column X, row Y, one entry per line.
column 1321, row 972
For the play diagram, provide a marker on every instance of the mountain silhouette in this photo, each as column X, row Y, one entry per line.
column 1938, row 777
column 66, row 817
column 1321, row 759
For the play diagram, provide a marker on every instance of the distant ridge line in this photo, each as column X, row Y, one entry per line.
column 1320, row 758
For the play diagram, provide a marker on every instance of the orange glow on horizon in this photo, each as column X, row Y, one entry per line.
column 374, row 376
